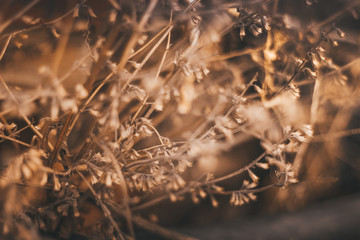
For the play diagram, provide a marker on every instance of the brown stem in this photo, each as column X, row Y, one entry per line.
column 17, row 15
column 60, row 139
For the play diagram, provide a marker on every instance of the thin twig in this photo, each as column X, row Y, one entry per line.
column 254, row 190
column 150, row 53
column 137, row 31
column 24, row 30
column 158, row 71
column 17, row 15
column 15, row 140
column 5, row 46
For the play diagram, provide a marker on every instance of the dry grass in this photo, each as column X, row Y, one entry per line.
column 109, row 109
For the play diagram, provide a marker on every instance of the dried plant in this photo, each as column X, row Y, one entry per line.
column 111, row 108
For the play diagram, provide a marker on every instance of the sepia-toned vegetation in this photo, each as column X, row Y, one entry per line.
column 109, row 108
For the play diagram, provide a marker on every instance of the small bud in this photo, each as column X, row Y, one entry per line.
column 253, row 176
column 242, row 32
column 173, row 198
column 214, row 202
column 91, row 12
column 334, row 43
column 265, row 23
column 76, row 11
column 57, row 184
column 202, row 193
column 54, row 32
column 262, row 165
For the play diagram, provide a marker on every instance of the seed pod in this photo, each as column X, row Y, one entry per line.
column 57, row 184
column 314, row 60
column 333, row 43
column 339, row 32
column 90, row 12
column 194, row 197
column 173, row 198
column 202, row 193
column 214, row 202
column 310, row 73
column 76, row 11
column 242, row 31
column 253, row 176
column 263, row 165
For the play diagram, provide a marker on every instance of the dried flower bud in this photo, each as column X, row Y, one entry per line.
column 312, row 74
column 57, row 185
column 194, row 197
column 90, row 12
column 76, row 11
column 214, row 202
column 202, row 193
column 314, row 60
column 256, row 30
column 253, row 176
column 26, row 171
column 112, row 16
column 173, row 197
column 44, row 179
column 339, row 32
column 242, row 32
column 333, row 43
column 263, row 165
column 54, row 31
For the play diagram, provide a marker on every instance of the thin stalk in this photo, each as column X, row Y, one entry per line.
column 150, row 53
column 59, row 140
column 137, row 31
column 4, row 25
column 15, row 140
column 5, row 46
